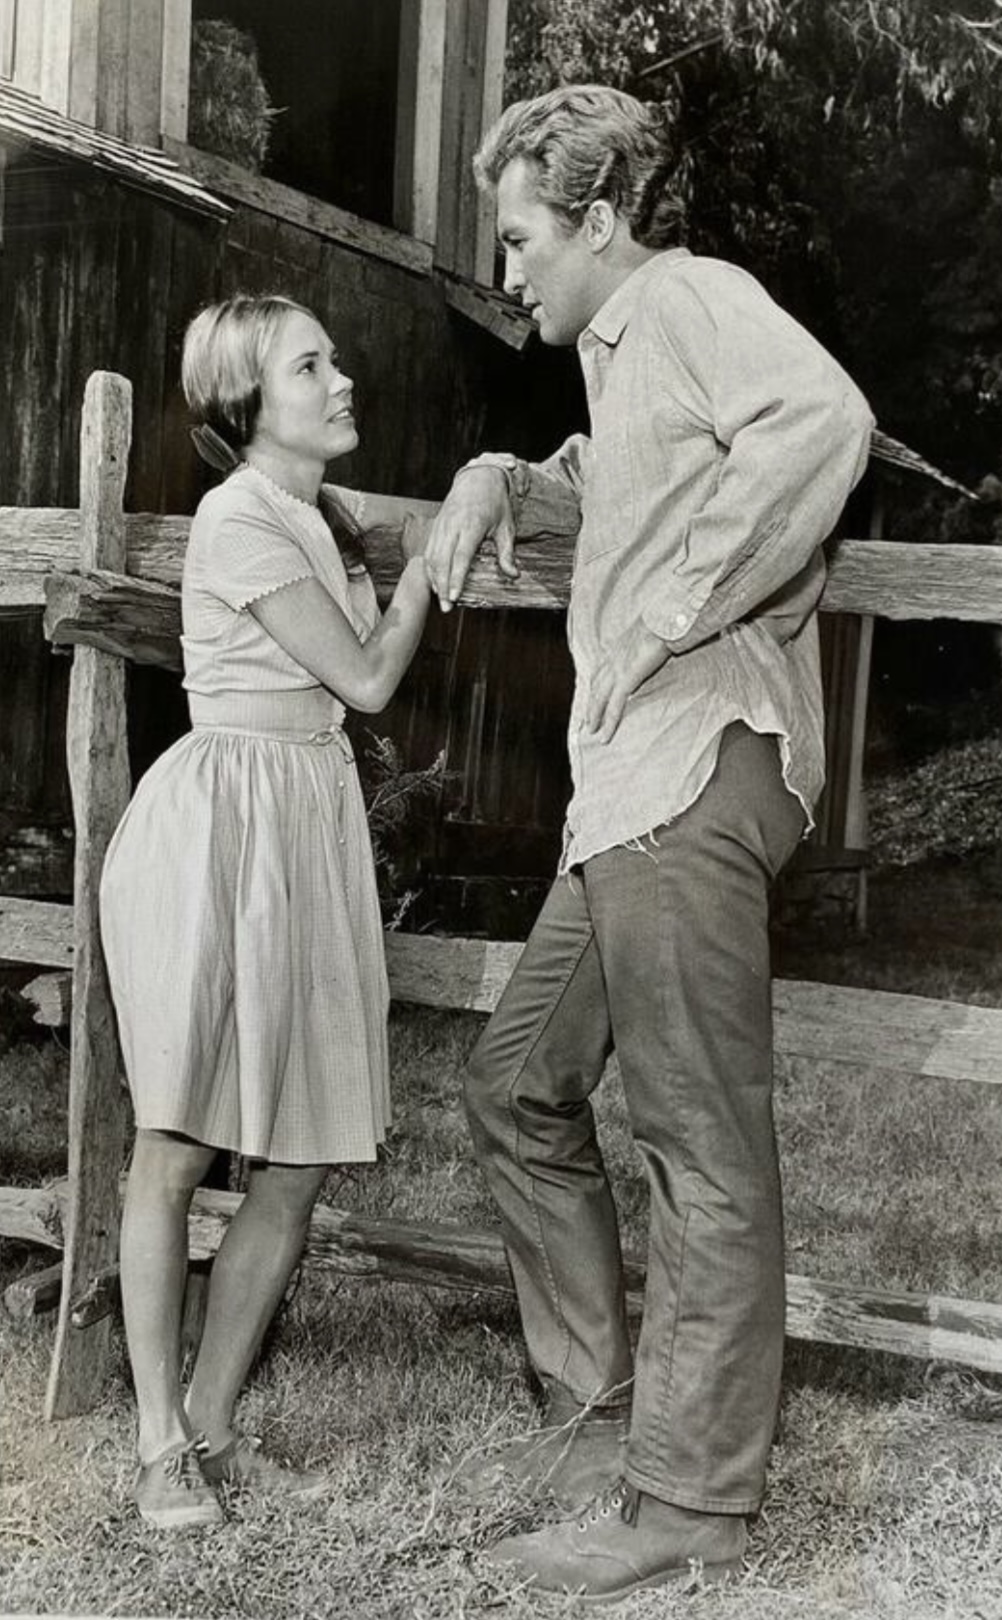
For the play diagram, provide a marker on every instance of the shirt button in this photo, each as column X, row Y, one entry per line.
column 681, row 621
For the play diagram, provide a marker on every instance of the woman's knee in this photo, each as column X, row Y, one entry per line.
column 164, row 1165
column 288, row 1191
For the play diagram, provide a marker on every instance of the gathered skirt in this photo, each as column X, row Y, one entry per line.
column 242, row 933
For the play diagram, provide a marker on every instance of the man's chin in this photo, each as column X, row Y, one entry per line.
column 553, row 336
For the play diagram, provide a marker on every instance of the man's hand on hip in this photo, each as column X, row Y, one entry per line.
column 476, row 509
column 636, row 655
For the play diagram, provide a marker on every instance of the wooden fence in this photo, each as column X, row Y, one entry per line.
column 109, row 583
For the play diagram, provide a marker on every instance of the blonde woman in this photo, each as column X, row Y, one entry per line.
column 239, row 908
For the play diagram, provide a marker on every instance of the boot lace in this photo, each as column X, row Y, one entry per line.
column 181, row 1468
column 620, row 1501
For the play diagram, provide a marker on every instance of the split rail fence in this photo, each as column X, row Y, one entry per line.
column 109, row 584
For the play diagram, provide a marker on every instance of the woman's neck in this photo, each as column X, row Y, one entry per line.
column 301, row 477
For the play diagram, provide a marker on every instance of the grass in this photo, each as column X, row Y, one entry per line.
column 885, row 1491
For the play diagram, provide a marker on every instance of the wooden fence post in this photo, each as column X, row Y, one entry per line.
column 97, row 752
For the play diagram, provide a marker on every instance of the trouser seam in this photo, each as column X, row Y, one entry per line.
column 669, row 1372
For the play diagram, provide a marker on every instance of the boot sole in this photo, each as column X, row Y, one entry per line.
column 706, row 1574
column 181, row 1518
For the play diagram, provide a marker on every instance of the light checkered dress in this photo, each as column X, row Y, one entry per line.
column 239, row 912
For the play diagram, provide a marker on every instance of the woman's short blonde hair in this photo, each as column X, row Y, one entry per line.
column 589, row 142
column 222, row 363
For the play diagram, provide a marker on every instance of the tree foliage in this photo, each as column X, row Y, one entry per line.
column 847, row 151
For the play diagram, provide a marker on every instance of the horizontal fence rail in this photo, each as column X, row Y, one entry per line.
column 889, row 579
column 833, row 1023
column 446, row 1255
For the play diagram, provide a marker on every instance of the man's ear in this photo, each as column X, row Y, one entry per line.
column 599, row 225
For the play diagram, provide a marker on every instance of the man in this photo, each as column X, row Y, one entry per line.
column 723, row 444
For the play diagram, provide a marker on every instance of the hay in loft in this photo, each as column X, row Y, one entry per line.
column 229, row 113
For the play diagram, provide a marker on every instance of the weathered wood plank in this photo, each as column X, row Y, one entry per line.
column 54, row 76
column 21, row 589
column 892, row 580
column 467, row 974
column 835, row 1023
column 932, row 1327
column 915, row 1035
column 419, row 118
column 86, row 55
column 111, row 111
column 912, row 1035
column 131, row 618
column 29, row 47
column 902, row 580
column 296, row 208
column 36, row 931
column 51, row 996
column 37, row 538
column 491, row 104
column 34, row 1214
column 503, row 320
column 175, row 69
column 8, row 12
column 442, row 1254
column 466, row 33
column 144, row 72
column 30, row 1296
column 97, row 753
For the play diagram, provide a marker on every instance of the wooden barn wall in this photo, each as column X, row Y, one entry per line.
column 95, row 277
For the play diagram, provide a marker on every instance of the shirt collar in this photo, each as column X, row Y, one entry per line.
column 613, row 317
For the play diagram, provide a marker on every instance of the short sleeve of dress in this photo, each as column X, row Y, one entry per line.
column 249, row 554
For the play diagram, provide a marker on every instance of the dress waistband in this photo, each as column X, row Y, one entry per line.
column 312, row 739
column 310, row 714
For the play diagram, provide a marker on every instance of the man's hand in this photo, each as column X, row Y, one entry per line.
column 635, row 656
column 476, row 509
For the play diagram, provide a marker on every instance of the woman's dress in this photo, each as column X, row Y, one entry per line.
column 239, row 912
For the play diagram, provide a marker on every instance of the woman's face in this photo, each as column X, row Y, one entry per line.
column 306, row 400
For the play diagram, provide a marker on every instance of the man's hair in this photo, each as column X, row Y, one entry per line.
column 586, row 142
column 222, row 363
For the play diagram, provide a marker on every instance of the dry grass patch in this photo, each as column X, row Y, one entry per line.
column 885, row 1498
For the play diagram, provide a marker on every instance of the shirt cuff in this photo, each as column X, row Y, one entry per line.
column 671, row 615
column 516, row 475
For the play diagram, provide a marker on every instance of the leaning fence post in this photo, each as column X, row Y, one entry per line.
column 97, row 753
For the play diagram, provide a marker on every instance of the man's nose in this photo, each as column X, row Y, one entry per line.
column 514, row 280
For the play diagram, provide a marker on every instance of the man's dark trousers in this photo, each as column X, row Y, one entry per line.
column 658, row 949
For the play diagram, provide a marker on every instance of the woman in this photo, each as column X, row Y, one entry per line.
column 239, row 909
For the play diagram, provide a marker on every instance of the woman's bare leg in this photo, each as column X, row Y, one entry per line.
column 249, row 1276
column 164, row 1172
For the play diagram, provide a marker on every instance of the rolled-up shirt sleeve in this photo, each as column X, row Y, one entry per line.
column 793, row 434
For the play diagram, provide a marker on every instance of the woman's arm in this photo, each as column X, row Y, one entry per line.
column 308, row 624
